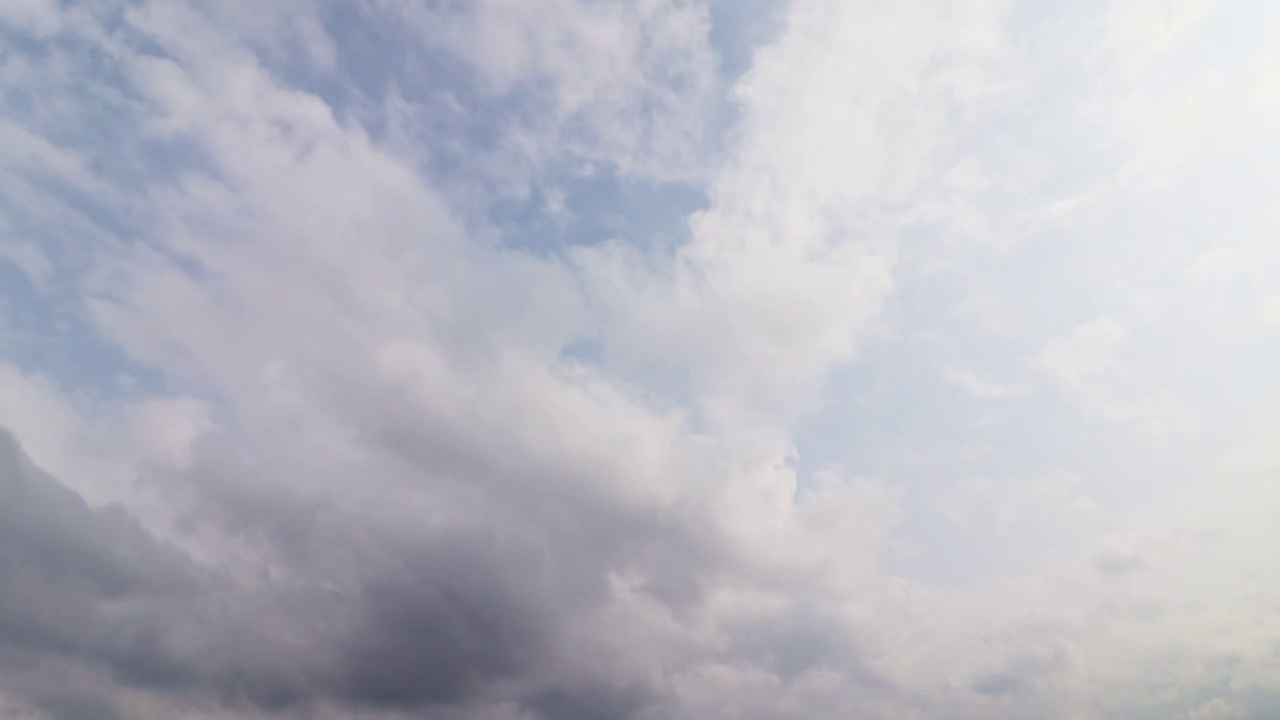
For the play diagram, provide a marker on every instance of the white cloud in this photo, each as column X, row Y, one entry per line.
column 29, row 259
column 1215, row 709
column 1139, row 32
column 1269, row 313
column 783, row 270
column 32, row 406
column 39, row 17
column 1086, row 365
column 1086, row 356
column 980, row 387
column 625, row 85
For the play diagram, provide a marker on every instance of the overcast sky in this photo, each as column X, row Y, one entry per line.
column 639, row 359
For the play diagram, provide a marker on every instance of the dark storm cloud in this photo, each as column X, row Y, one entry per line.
column 595, row 702
column 431, row 612
column 78, row 706
column 435, row 630
column 407, row 623
column 87, row 584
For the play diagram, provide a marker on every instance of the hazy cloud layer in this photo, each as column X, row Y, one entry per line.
column 566, row 359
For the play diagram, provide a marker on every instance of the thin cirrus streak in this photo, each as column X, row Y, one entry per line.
column 559, row 359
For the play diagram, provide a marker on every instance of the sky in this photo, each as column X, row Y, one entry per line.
column 639, row 360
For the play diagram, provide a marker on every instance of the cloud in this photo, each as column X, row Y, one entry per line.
column 310, row 426
column 83, row 583
column 78, row 707
column 1270, row 311
column 600, row 87
column 1086, row 356
column 38, row 17
column 407, row 623
column 979, row 387
column 1085, row 365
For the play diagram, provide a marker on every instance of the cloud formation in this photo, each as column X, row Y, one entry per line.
column 532, row 361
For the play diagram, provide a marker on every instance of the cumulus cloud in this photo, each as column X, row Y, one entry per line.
column 306, row 415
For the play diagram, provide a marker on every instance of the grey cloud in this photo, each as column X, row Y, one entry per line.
column 433, row 612
column 1118, row 564
column 436, row 633
column 78, row 706
column 422, row 622
column 375, row 609
column 598, row 702
column 998, row 684
column 93, row 586
column 803, row 638
column 84, row 583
